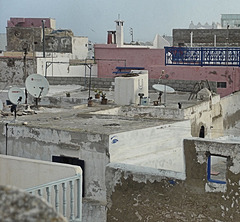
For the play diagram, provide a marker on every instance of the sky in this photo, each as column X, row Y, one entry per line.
column 93, row 18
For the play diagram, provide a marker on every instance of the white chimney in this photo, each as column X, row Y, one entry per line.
column 119, row 32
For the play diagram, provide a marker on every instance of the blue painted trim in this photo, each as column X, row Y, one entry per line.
column 121, row 72
column 209, row 173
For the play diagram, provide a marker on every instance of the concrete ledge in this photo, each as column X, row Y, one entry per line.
column 25, row 173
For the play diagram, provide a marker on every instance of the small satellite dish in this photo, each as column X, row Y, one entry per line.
column 163, row 88
column 37, row 85
column 1, row 105
column 16, row 95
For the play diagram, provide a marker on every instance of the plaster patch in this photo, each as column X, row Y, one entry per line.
column 235, row 168
column 215, row 187
column 201, row 159
column 94, row 138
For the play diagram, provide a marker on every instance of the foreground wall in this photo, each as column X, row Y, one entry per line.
column 146, row 195
column 25, row 173
column 42, row 143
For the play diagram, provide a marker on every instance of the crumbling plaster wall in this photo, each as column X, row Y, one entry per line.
column 12, row 71
column 137, row 195
column 17, row 37
column 42, row 144
column 231, row 114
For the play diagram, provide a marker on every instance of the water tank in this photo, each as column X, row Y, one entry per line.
column 128, row 87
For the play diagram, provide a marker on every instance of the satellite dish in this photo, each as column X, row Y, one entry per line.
column 163, row 88
column 16, row 95
column 37, row 85
column 1, row 105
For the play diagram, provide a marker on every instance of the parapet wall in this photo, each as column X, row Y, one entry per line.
column 178, row 85
column 26, row 173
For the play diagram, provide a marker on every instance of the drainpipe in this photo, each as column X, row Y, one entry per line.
column 6, row 125
column 191, row 35
column 43, row 29
column 215, row 40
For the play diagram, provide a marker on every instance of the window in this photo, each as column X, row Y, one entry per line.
column 221, row 85
column 216, row 169
column 72, row 161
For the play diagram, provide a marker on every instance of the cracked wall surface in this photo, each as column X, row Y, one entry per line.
column 172, row 198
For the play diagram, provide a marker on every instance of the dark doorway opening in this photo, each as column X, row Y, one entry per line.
column 71, row 161
column 202, row 132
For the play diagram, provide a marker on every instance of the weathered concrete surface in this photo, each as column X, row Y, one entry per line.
column 205, row 37
column 12, row 71
column 173, row 199
column 17, row 37
column 231, row 114
column 18, row 206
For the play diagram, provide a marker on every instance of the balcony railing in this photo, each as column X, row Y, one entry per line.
column 64, row 195
column 202, row 56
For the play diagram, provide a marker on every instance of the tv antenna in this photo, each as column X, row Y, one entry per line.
column 37, row 85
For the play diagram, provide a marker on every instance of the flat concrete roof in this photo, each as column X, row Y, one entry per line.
column 81, row 118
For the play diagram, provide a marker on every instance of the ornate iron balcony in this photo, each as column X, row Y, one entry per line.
column 204, row 56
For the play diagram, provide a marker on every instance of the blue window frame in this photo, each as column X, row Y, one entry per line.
column 216, row 169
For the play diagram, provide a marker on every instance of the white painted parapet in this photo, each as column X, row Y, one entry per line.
column 25, row 173
column 158, row 147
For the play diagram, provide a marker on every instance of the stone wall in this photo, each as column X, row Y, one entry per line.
column 17, row 205
column 17, row 37
column 163, row 196
column 178, row 85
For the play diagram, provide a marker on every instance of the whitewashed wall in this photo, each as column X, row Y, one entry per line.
column 79, row 47
column 61, row 68
column 230, row 111
column 157, row 147
column 42, row 144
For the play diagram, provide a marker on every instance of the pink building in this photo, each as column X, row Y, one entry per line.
column 110, row 56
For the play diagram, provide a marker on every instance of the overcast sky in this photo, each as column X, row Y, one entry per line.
column 93, row 18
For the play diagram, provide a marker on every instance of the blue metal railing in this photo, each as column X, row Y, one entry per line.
column 202, row 56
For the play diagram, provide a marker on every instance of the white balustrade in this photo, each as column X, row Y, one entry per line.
column 64, row 195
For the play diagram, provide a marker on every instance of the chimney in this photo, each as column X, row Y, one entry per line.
column 119, row 33
column 111, row 38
